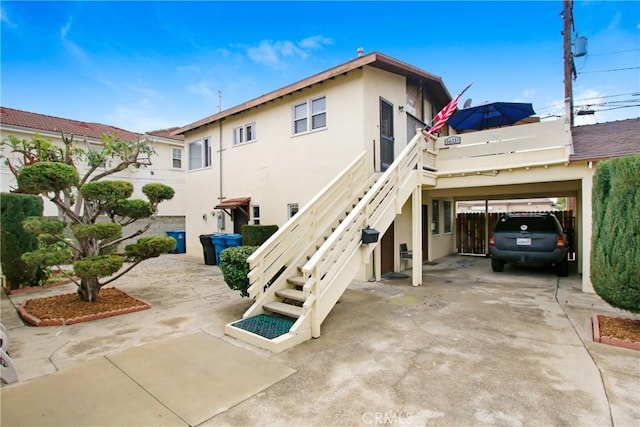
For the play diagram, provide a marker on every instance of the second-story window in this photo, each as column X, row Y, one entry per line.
column 176, row 156
column 246, row 133
column 200, row 154
column 310, row 115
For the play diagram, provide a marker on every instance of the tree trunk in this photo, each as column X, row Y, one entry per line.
column 89, row 288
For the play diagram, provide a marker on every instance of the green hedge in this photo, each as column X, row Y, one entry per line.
column 255, row 235
column 234, row 266
column 15, row 240
column 615, row 244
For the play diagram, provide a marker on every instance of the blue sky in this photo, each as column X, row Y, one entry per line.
column 149, row 65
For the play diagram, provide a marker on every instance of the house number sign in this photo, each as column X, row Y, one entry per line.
column 452, row 140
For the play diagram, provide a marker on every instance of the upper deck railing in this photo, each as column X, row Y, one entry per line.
column 533, row 144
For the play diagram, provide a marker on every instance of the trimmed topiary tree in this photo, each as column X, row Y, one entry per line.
column 255, row 234
column 82, row 200
column 234, row 266
column 615, row 244
column 15, row 240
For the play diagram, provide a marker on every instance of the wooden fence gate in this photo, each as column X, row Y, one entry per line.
column 471, row 236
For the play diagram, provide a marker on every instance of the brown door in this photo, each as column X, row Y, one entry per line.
column 425, row 232
column 240, row 217
column 387, row 251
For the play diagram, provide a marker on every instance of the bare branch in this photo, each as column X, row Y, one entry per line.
column 121, row 273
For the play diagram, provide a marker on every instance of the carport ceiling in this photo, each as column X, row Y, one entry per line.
column 516, row 191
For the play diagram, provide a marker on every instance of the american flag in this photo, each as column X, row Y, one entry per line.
column 441, row 118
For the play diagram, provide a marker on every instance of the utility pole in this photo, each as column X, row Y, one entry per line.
column 569, row 68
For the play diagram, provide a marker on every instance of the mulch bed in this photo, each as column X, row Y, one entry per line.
column 616, row 331
column 68, row 309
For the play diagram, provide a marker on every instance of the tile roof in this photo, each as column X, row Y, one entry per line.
column 606, row 140
column 166, row 133
column 45, row 123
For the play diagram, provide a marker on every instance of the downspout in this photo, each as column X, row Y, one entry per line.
column 221, row 198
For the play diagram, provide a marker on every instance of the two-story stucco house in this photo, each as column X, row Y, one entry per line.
column 167, row 164
column 337, row 153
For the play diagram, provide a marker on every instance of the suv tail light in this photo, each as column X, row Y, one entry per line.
column 492, row 241
column 560, row 242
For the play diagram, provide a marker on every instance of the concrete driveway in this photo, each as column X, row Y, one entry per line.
column 469, row 347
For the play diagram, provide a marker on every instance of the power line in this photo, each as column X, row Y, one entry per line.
column 611, row 53
column 609, row 96
column 606, row 71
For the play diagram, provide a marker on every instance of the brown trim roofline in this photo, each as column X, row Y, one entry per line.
column 374, row 59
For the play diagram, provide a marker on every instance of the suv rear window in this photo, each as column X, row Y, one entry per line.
column 533, row 223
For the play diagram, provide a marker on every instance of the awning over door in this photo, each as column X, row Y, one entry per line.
column 237, row 203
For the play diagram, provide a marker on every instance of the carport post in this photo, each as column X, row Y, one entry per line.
column 486, row 226
column 416, row 235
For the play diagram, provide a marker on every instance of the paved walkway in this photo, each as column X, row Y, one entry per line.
column 469, row 347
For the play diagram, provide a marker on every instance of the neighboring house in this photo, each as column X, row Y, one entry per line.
column 167, row 165
column 334, row 160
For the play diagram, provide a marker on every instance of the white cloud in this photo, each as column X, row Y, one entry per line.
column 315, row 42
column 201, row 88
column 273, row 53
column 139, row 117
column 4, row 18
column 65, row 29
column 71, row 46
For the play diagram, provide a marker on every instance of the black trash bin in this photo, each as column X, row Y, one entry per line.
column 208, row 250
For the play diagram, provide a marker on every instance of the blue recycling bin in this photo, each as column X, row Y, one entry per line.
column 233, row 240
column 181, row 246
column 219, row 243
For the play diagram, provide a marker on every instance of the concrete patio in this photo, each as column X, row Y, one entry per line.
column 469, row 347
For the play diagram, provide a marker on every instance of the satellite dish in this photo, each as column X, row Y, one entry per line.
column 467, row 103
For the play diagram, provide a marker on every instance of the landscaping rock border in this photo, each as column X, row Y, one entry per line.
column 611, row 341
column 35, row 321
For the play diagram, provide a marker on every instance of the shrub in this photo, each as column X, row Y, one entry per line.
column 615, row 244
column 98, row 265
column 15, row 239
column 157, row 192
column 234, row 266
column 255, row 235
column 47, row 177
column 149, row 247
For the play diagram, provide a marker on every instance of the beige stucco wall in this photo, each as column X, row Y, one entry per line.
column 161, row 171
column 281, row 168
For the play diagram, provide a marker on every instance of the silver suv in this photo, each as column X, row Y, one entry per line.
column 529, row 238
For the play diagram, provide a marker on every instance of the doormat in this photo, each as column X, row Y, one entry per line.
column 395, row 275
column 265, row 325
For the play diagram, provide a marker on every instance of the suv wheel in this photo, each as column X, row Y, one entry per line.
column 497, row 265
column 562, row 268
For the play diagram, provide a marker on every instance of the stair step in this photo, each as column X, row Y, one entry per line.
column 296, row 280
column 293, row 294
column 284, row 309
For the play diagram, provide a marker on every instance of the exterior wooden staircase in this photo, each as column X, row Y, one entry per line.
column 302, row 270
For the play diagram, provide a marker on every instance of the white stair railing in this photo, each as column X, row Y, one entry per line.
column 343, row 249
column 303, row 232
